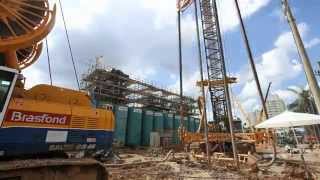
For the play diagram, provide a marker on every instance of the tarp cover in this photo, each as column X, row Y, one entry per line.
column 290, row 119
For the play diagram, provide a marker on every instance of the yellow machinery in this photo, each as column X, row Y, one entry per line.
column 44, row 119
column 245, row 141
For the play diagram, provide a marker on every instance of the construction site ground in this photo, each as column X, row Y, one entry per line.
column 161, row 164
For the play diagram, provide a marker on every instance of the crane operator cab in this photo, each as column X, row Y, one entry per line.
column 8, row 78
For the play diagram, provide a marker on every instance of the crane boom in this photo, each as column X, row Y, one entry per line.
column 214, row 58
column 243, row 111
column 216, row 68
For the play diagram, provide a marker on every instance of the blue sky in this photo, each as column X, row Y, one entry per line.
column 140, row 37
column 264, row 29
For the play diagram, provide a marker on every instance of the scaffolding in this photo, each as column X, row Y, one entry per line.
column 110, row 86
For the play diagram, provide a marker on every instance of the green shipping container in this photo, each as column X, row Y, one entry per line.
column 134, row 126
column 158, row 122
column 168, row 121
column 176, row 122
column 175, row 136
column 186, row 123
column 191, row 126
column 196, row 123
column 147, row 127
column 121, row 116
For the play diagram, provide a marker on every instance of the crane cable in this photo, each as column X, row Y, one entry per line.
column 69, row 45
column 49, row 61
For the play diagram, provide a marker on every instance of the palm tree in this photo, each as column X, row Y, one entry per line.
column 303, row 104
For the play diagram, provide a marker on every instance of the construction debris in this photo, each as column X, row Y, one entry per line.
column 171, row 166
column 141, row 164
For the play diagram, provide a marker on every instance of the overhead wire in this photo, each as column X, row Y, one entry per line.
column 49, row 61
column 69, row 45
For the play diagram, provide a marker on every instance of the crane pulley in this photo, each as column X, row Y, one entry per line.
column 182, row 5
column 23, row 25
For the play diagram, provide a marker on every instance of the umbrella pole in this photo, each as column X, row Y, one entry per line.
column 295, row 136
column 315, row 133
column 317, row 130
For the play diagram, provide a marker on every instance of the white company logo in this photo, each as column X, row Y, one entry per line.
column 38, row 118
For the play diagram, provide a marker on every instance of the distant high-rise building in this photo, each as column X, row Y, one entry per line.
column 275, row 106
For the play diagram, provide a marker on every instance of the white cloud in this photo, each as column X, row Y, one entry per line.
column 189, row 28
column 173, row 76
column 165, row 11
column 35, row 76
column 140, row 73
column 228, row 15
column 312, row 43
column 249, row 90
column 189, row 84
column 85, row 18
column 250, row 104
column 80, row 14
column 286, row 95
column 274, row 66
column 277, row 65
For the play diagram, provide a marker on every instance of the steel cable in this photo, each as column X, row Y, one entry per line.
column 69, row 44
column 49, row 61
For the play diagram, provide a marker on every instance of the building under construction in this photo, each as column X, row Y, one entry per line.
column 110, row 86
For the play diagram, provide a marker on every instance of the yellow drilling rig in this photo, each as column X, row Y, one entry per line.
column 44, row 120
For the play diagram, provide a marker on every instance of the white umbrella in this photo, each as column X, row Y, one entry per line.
column 290, row 119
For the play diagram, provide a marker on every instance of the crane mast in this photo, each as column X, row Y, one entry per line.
column 214, row 58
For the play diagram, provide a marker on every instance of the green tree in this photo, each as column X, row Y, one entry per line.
column 304, row 102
